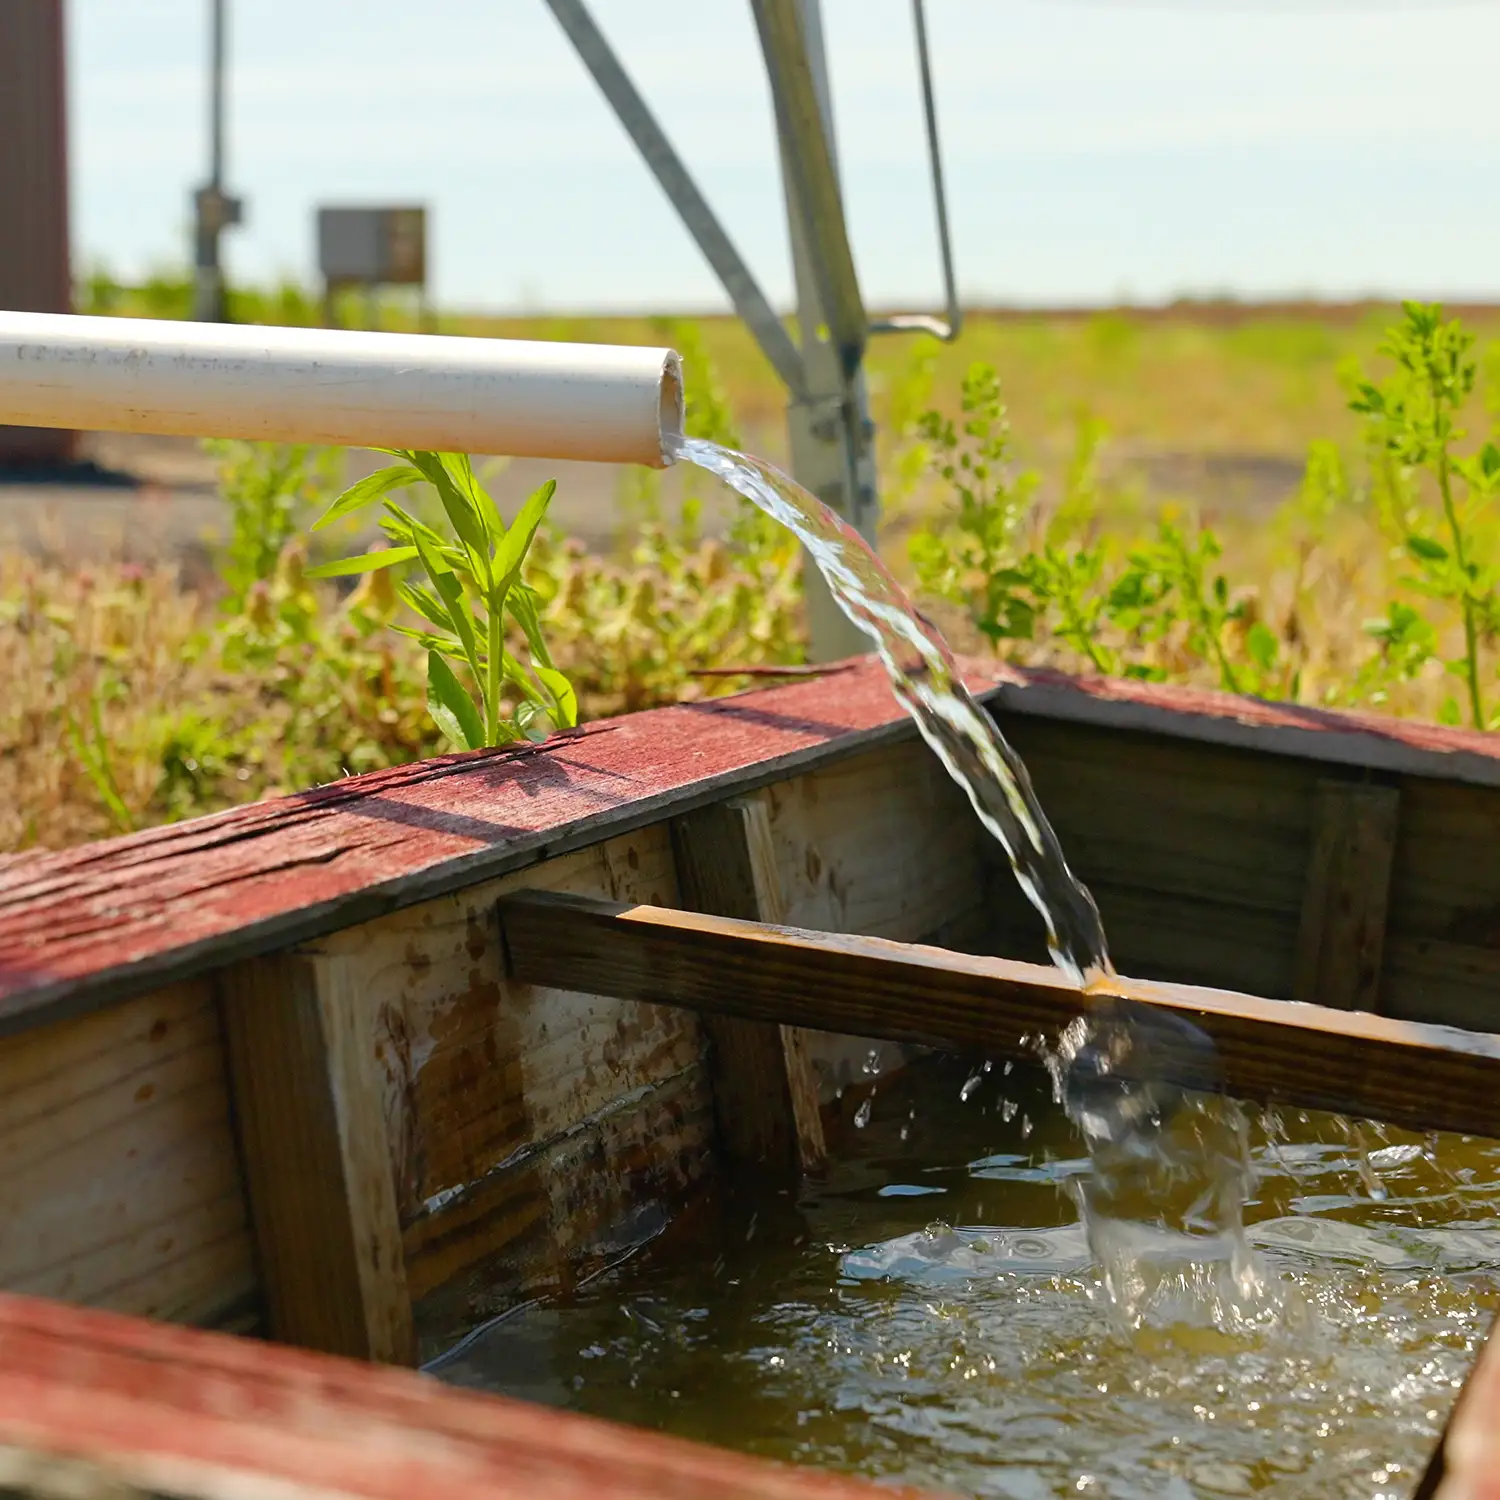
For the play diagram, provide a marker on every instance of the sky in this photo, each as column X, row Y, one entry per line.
column 1096, row 150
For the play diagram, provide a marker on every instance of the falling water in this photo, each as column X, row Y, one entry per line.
column 929, row 686
column 1171, row 1167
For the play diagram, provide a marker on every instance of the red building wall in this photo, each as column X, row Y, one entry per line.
column 35, row 274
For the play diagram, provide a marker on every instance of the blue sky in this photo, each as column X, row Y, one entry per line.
column 1096, row 149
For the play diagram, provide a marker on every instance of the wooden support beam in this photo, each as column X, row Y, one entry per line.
column 1424, row 1077
column 309, row 1106
column 765, row 1092
column 1341, row 940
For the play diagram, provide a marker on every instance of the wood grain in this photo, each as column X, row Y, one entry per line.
column 312, row 1129
column 120, row 1185
column 81, row 928
column 87, row 1396
column 1424, row 1077
column 84, row 927
column 1341, row 941
column 532, row 1130
column 765, row 1093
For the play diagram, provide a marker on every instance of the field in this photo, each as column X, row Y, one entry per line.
column 1141, row 456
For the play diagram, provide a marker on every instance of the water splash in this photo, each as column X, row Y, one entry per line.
column 1172, row 1168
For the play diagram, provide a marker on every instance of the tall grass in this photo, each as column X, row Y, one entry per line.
column 127, row 699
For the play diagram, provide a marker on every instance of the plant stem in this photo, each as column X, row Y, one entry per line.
column 492, row 687
column 1471, row 634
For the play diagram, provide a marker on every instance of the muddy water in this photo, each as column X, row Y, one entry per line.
column 931, row 1312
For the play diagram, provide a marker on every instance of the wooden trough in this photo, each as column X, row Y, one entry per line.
column 360, row 1068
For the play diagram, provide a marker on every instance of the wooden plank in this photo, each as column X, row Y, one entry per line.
column 109, row 1402
column 310, row 1111
column 120, row 1185
column 765, row 1094
column 85, row 927
column 1341, row 940
column 1466, row 1465
column 534, row 1131
column 1320, row 735
column 1269, row 1050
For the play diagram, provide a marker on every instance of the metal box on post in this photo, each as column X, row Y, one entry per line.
column 372, row 247
column 35, row 275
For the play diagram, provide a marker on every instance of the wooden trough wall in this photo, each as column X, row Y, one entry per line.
column 265, row 1071
column 370, row 1085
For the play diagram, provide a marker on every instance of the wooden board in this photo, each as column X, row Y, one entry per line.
column 312, row 1131
column 120, row 1184
column 85, row 927
column 532, row 1131
column 1269, row 1050
column 1341, row 940
column 765, row 1092
column 1466, row 1465
column 93, row 1406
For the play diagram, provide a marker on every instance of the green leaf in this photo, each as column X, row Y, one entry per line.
column 461, row 467
column 451, row 707
column 444, row 643
column 452, row 595
column 533, row 722
column 372, row 487
column 1262, row 645
column 511, row 552
column 521, row 602
column 1489, row 461
column 563, row 696
column 424, row 602
column 366, row 562
column 1426, row 549
column 463, row 515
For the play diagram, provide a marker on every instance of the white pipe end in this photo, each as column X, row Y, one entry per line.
column 671, row 406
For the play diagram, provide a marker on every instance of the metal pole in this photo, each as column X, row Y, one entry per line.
column 214, row 210
column 831, row 436
column 631, row 110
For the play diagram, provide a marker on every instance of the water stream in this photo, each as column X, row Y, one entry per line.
column 1171, row 1167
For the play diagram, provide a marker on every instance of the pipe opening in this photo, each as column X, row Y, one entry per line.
column 670, row 406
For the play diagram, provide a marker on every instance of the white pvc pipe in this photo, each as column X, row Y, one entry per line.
column 318, row 385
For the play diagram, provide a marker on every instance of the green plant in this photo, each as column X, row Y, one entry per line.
column 1050, row 579
column 268, row 488
column 1412, row 421
column 473, row 582
column 970, row 558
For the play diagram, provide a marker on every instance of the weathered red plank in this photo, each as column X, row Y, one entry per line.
column 1317, row 734
column 82, row 927
column 1467, row 1464
column 209, row 1417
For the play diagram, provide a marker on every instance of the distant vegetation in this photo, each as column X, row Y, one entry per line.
column 1214, row 496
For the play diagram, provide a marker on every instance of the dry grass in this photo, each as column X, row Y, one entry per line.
column 127, row 699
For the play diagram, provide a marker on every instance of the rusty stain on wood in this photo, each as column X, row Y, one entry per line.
column 1341, row 940
column 312, row 1126
column 1303, row 1055
column 765, row 1093
column 205, row 1417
